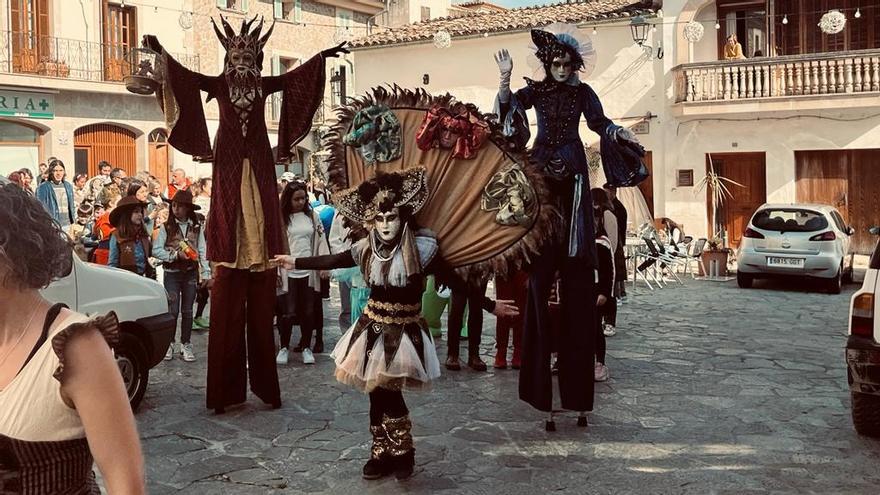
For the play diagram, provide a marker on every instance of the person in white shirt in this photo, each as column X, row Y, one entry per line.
column 305, row 236
column 180, row 245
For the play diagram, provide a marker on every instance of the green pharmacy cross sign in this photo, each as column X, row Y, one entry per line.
column 22, row 104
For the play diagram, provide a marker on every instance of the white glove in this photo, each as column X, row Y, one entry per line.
column 624, row 134
column 505, row 67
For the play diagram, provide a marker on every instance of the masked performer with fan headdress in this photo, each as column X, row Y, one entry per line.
column 559, row 99
column 245, row 229
column 390, row 347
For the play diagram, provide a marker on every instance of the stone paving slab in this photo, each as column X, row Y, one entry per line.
column 713, row 389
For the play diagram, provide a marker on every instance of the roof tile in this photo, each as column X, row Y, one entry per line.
column 510, row 20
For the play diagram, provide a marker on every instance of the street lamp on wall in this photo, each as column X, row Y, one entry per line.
column 639, row 27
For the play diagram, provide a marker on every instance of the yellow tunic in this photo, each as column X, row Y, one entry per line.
column 251, row 252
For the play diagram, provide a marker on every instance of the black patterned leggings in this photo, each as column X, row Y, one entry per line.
column 386, row 402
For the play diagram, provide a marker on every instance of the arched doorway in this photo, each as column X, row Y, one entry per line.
column 160, row 155
column 96, row 142
column 19, row 147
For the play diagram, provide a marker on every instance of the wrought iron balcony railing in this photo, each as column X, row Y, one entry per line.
column 767, row 77
column 26, row 53
column 273, row 110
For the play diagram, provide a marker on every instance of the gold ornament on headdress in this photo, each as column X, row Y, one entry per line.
column 413, row 193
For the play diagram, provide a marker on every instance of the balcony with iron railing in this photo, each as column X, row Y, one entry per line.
column 794, row 83
column 48, row 56
column 273, row 111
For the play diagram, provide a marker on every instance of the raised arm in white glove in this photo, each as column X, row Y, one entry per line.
column 505, row 67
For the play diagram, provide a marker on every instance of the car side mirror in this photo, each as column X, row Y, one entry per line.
column 850, row 231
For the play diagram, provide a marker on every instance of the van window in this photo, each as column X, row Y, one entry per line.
column 789, row 220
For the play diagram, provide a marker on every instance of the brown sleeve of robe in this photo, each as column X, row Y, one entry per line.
column 303, row 92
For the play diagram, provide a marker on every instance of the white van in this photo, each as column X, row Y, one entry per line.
column 141, row 304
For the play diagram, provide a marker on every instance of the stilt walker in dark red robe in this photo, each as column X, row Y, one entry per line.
column 245, row 230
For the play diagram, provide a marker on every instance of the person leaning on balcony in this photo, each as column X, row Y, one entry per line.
column 732, row 49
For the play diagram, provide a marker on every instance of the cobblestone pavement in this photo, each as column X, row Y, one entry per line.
column 713, row 389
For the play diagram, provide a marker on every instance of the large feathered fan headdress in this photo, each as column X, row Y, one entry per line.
column 555, row 41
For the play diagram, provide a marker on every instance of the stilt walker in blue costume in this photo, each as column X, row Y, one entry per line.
column 559, row 98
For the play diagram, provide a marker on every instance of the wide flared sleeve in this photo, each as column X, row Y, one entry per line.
column 514, row 121
column 621, row 160
column 302, row 92
column 447, row 277
column 180, row 99
column 325, row 262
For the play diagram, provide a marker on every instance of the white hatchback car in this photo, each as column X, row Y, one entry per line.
column 806, row 240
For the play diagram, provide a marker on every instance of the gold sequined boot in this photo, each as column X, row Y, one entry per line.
column 400, row 445
column 380, row 464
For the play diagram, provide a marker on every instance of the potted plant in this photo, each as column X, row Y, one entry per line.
column 717, row 249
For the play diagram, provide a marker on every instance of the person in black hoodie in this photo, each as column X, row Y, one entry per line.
column 605, row 286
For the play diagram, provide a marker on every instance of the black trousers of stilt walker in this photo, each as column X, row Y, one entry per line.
column 576, row 341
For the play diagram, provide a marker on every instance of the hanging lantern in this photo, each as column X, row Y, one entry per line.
column 832, row 22
column 442, row 39
column 693, row 31
column 639, row 27
column 145, row 71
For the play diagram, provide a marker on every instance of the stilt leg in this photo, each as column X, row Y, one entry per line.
column 582, row 419
column 550, row 425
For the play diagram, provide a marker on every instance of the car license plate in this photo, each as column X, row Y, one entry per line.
column 791, row 262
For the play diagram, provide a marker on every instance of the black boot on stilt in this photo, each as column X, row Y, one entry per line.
column 404, row 465
column 380, row 463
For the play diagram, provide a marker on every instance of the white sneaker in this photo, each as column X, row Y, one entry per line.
column 600, row 373
column 308, row 357
column 187, row 351
column 169, row 354
column 610, row 331
column 283, row 356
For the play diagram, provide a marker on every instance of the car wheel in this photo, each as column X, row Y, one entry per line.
column 835, row 285
column 744, row 281
column 132, row 362
column 866, row 413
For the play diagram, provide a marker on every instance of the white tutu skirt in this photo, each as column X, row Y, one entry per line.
column 367, row 368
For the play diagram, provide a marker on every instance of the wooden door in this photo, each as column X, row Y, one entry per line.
column 107, row 142
column 29, row 23
column 821, row 177
column 160, row 155
column 846, row 180
column 647, row 185
column 749, row 170
column 120, row 37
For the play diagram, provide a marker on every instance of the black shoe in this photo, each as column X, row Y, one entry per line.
column 404, row 465
column 582, row 421
column 276, row 404
column 377, row 468
column 219, row 410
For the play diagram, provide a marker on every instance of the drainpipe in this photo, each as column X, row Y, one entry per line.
column 82, row 8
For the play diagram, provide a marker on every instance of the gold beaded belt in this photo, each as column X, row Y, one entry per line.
column 393, row 313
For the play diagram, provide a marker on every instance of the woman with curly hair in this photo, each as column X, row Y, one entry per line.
column 63, row 405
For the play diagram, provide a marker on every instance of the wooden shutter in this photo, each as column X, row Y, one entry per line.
column 120, row 37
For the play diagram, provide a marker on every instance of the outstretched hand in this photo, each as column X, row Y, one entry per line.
column 624, row 134
column 152, row 42
column 505, row 309
column 284, row 261
column 335, row 51
column 505, row 63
